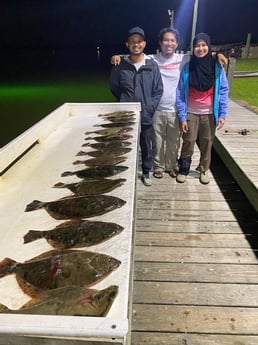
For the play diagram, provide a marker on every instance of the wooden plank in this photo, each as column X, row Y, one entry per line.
column 195, row 319
column 195, row 272
column 211, row 205
column 196, row 255
column 163, row 338
column 230, row 148
column 193, row 215
column 179, row 196
column 196, row 240
column 250, row 188
column 194, row 226
column 201, row 294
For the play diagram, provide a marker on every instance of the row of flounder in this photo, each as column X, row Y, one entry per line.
column 58, row 281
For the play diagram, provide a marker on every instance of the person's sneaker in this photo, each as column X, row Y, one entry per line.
column 204, row 178
column 146, row 180
column 181, row 178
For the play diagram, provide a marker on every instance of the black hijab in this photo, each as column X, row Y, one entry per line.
column 202, row 69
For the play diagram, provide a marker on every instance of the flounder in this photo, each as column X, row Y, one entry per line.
column 58, row 268
column 69, row 300
column 95, row 162
column 118, row 113
column 92, row 187
column 110, row 152
column 116, row 124
column 116, row 119
column 111, row 131
column 113, row 137
column 97, row 172
column 75, row 234
column 80, row 206
column 108, row 144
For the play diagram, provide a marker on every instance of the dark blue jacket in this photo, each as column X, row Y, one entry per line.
column 144, row 86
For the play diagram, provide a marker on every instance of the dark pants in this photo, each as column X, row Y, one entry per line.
column 146, row 148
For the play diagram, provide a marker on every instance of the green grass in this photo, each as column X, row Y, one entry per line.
column 246, row 65
column 245, row 89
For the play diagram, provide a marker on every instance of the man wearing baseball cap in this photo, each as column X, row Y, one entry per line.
column 137, row 79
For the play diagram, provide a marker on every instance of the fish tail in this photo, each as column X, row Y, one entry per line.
column 32, row 235
column 67, row 173
column 59, row 185
column 34, row 205
column 6, row 267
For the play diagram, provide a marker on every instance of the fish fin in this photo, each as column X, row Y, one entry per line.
column 30, row 290
column 32, row 235
column 6, row 267
column 50, row 253
column 70, row 222
column 81, row 153
column 44, row 255
column 59, row 185
column 34, row 205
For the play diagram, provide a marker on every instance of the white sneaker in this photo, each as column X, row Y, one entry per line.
column 181, row 178
column 204, row 178
column 146, row 180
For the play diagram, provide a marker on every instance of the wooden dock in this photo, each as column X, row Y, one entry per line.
column 195, row 257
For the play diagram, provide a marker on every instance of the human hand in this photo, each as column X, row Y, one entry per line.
column 115, row 60
column 222, row 59
column 184, row 127
column 221, row 123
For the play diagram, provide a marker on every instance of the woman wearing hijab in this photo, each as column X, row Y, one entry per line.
column 202, row 102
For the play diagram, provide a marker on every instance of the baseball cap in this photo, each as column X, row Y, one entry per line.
column 136, row 31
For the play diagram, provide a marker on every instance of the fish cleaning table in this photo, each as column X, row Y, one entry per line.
column 29, row 166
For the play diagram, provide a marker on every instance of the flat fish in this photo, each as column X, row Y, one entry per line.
column 97, row 172
column 69, row 301
column 95, row 162
column 80, row 206
column 92, row 187
column 104, row 152
column 113, row 137
column 108, row 145
column 116, row 119
column 58, row 268
column 118, row 113
column 111, row 131
column 116, row 124
column 76, row 234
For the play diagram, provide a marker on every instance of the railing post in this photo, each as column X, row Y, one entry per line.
column 231, row 70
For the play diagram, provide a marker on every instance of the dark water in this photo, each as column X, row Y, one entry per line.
column 41, row 63
column 39, row 67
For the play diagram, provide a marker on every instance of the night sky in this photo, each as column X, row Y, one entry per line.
column 82, row 25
